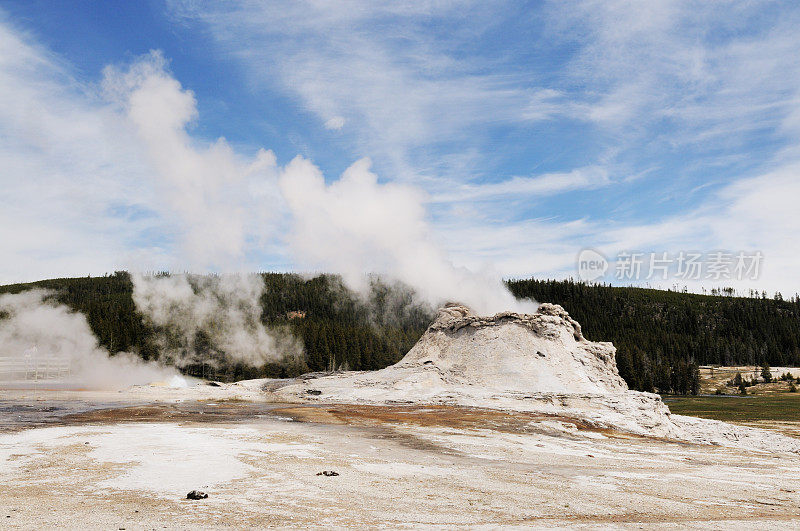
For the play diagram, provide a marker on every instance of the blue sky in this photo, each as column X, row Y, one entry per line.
column 531, row 130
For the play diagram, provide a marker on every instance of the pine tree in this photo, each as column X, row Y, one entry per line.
column 766, row 373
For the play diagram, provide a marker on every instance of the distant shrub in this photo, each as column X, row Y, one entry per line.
column 766, row 373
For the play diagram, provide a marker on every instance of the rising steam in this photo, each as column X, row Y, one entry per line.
column 214, row 200
column 208, row 319
column 356, row 225
column 222, row 203
column 35, row 329
column 223, row 207
column 217, row 201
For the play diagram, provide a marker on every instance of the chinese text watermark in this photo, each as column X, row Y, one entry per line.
column 682, row 265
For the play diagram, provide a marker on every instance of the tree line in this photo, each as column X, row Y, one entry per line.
column 339, row 329
column 661, row 336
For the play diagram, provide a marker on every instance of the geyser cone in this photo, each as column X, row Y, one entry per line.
column 536, row 362
column 543, row 352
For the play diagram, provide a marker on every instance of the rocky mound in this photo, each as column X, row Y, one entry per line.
column 524, row 362
column 510, row 352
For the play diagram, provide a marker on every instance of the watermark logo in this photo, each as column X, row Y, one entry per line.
column 683, row 265
column 591, row 265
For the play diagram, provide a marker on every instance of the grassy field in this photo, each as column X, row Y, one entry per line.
column 784, row 407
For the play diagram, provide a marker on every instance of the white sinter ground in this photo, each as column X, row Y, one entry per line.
column 548, row 436
column 537, row 363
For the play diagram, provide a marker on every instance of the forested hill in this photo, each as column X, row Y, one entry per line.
column 338, row 329
column 656, row 331
column 661, row 336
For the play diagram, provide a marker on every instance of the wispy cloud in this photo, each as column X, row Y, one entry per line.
column 694, row 71
column 439, row 95
column 678, row 73
column 103, row 177
column 384, row 68
column 68, row 163
column 541, row 185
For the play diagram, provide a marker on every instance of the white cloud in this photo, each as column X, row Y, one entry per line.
column 726, row 66
column 71, row 202
column 542, row 185
column 673, row 72
column 758, row 213
column 377, row 66
column 649, row 81
column 88, row 185
column 335, row 123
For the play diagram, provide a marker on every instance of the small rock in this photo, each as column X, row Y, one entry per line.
column 196, row 495
column 327, row 473
column 314, row 392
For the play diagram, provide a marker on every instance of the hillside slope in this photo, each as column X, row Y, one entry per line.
column 660, row 336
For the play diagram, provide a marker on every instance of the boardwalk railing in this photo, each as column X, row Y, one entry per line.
column 40, row 368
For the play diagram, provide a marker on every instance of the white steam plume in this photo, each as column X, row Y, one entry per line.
column 204, row 318
column 356, row 225
column 225, row 206
column 219, row 202
column 34, row 330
